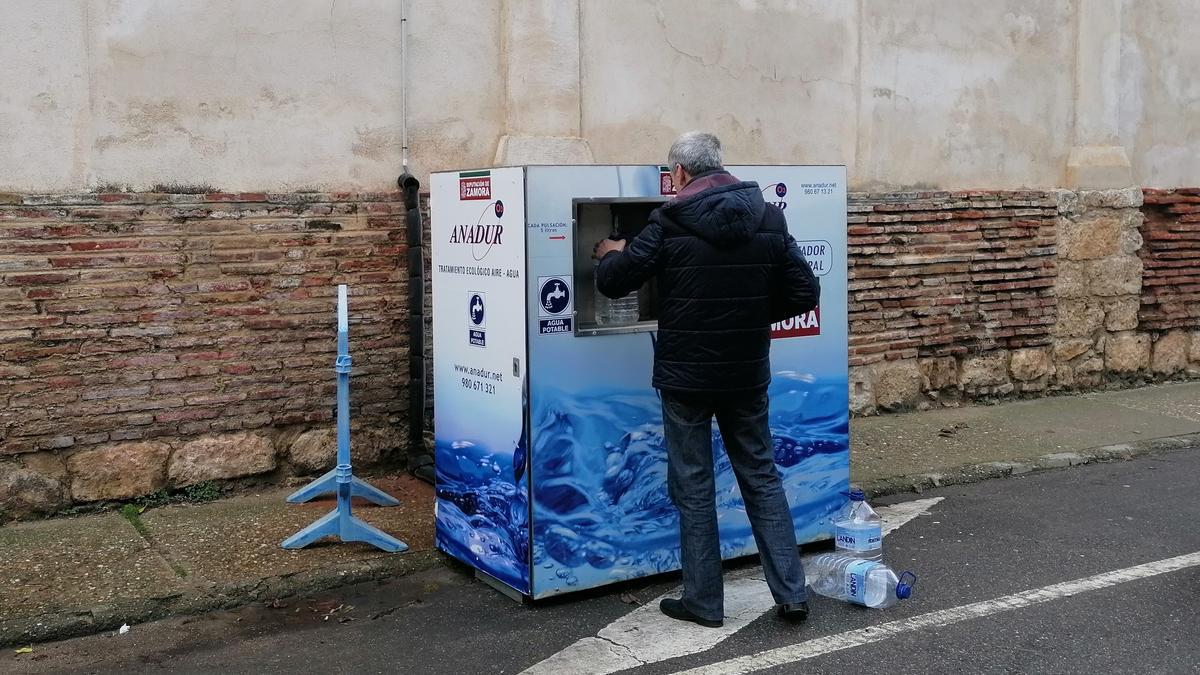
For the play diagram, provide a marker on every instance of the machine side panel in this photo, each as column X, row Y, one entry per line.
column 479, row 364
column 810, row 406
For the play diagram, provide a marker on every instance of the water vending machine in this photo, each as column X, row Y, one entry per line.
column 551, row 468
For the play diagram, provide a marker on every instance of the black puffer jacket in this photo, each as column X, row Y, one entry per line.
column 726, row 268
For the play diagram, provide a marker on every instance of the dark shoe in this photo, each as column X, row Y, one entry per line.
column 795, row 612
column 675, row 609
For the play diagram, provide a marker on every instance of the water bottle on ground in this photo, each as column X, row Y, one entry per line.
column 858, row 530
column 862, row 582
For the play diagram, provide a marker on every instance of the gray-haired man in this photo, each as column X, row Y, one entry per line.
column 726, row 269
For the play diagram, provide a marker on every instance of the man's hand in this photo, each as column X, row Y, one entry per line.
column 606, row 246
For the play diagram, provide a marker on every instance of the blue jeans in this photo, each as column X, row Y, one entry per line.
column 742, row 419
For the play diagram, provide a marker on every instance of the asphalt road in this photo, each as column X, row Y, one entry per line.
column 982, row 544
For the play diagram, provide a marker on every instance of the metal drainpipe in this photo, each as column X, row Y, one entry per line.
column 404, row 85
column 420, row 462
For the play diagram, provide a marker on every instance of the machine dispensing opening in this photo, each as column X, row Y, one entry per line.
column 599, row 218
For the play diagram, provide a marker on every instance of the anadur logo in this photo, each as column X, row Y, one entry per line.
column 481, row 236
column 477, row 234
column 475, row 185
column 780, row 192
column 798, row 326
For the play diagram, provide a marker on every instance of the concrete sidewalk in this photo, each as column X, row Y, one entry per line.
column 898, row 453
column 72, row 576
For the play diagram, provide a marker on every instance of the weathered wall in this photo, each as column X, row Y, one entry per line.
column 964, row 94
column 776, row 81
column 44, row 89
column 919, row 93
column 1161, row 94
column 278, row 94
column 153, row 340
column 288, row 94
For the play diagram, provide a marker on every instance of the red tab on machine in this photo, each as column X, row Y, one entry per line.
column 475, row 185
column 666, row 186
column 798, row 326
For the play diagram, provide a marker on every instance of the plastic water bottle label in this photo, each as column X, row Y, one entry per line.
column 859, row 539
column 856, row 581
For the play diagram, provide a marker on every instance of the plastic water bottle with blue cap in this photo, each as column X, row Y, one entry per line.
column 862, row 582
column 858, row 530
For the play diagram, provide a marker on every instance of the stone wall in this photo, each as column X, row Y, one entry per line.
column 940, row 284
column 1098, row 285
column 975, row 295
column 1170, row 302
column 152, row 341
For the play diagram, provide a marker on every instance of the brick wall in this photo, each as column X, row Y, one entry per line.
column 426, row 224
column 160, row 320
column 152, row 341
column 1171, row 258
column 950, row 273
column 952, row 296
column 958, row 296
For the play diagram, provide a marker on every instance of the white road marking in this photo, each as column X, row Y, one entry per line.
column 646, row 635
column 896, row 515
column 781, row 656
column 589, row 655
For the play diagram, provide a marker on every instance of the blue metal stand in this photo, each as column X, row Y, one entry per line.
column 328, row 483
column 340, row 522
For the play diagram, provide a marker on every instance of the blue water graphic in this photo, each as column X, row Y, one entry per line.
column 601, row 511
column 483, row 516
column 601, row 508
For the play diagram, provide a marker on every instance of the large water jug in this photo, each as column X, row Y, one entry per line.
column 858, row 530
column 619, row 312
column 862, row 582
column 624, row 311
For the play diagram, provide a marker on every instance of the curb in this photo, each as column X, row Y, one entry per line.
column 65, row 624
column 974, row 473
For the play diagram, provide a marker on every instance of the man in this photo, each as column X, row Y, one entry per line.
column 726, row 268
